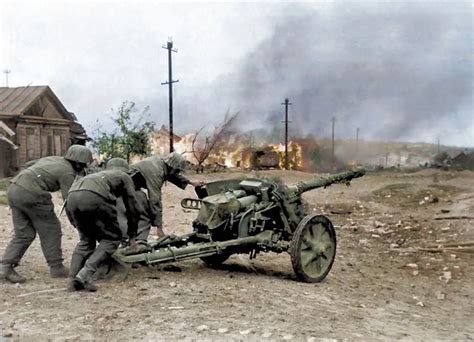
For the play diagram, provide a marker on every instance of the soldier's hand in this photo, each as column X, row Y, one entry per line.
column 132, row 243
column 196, row 184
column 159, row 232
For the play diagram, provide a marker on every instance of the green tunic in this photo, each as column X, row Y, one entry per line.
column 48, row 174
column 155, row 172
column 110, row 185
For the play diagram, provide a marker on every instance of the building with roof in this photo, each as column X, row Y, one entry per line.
column 37, row 125
column 160, row 141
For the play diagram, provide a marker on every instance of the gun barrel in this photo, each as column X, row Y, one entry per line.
column 342, row 177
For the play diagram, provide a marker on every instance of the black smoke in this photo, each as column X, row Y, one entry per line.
column 399, row 71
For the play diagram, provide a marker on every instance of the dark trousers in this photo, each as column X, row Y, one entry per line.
column 31, row 214
column 96, row 220
column 144, row 223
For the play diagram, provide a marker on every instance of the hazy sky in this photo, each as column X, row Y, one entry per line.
column 398, row 70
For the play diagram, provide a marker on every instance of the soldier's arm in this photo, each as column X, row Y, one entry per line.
column 182, row 181
column 179, row 180
column 65, row 183
column 132, row 206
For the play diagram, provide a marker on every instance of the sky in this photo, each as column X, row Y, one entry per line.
column 397, row 70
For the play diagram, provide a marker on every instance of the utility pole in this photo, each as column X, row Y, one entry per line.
column 332, row 152
column 287, row 161
column 438, row 147
column 6, row 72
column 169, row 47
column 357, row 143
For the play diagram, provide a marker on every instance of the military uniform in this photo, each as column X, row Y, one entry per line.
column 155, row 170
column 91, row 206
column 144, row 221
column 33, row 210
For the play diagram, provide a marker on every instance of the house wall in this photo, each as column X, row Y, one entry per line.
column 8, row 156
column 39, row 140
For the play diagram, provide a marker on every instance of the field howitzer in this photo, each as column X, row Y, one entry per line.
column 252, row 215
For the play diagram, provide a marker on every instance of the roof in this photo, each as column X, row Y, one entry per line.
column 16, row 101
column 165, row 133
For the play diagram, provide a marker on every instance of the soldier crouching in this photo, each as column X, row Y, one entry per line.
column 33, row 211
column 91, row 207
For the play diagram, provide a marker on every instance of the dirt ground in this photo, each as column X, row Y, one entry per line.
column 380, row 287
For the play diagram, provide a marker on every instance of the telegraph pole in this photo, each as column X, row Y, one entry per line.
column 286, row 104
column 169, row 47
column 6, row 72
column 357, row 142
column 332, row 152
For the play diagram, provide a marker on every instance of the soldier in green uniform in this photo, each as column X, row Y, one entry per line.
column 144, row 222
column 33, row 210
column 91, row 207
column 155, row 171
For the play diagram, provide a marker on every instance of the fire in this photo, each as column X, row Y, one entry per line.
column 234, row 152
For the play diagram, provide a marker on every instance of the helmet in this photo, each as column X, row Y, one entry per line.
column 175, row 161
column 117, row 164
column 79, row 154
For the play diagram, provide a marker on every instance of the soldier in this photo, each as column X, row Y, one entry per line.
column 155, row 171
column 144, row 222
column 33, row 210
column 91, row 207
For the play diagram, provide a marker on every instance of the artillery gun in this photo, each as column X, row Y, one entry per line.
column 252, row 215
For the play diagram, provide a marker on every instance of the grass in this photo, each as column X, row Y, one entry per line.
column 3, row 200
column 4, row 184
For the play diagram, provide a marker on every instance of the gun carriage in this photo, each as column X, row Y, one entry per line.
column 252, row 215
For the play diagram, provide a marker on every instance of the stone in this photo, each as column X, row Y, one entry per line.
column 202, row 327
column 446, row 276
column 222, row 330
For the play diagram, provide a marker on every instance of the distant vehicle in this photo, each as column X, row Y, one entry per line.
column 265, row 159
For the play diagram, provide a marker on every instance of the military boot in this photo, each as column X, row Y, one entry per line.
column 7, row 272
column 83, row 281
column 58, row 271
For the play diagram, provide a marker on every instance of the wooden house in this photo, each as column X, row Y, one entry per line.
column 41, row 125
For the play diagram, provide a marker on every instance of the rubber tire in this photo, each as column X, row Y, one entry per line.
column 296, row 241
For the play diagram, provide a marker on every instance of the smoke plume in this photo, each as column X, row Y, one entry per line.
column 399, row 71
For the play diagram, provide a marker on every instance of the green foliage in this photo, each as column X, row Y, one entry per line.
column 3, row 200
column 4, row 184
column 129, row 136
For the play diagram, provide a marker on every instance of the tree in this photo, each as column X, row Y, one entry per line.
column 128, row 137
column 202, row 148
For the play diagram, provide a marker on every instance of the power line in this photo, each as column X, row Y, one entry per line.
column 169, row 47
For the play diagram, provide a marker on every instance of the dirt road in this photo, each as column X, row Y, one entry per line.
column 379, row 288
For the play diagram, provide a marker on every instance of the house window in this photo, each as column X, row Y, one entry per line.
column 57, row 145
column 49, row 145
column 30, row 146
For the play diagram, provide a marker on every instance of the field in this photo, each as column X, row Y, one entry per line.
column 389, row 281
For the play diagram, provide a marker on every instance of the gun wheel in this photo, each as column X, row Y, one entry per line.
column 313, row 248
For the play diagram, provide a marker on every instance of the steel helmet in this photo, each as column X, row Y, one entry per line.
column 117, row 164
column 175, row 161
column 78, row 154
